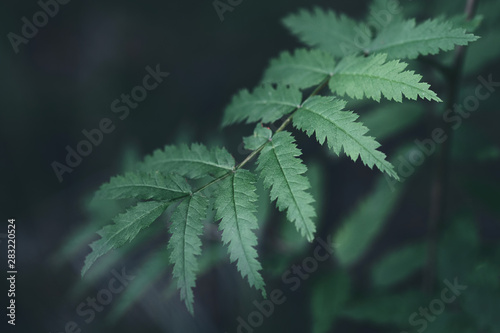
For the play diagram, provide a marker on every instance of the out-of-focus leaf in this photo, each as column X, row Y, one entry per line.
column 100, row 214
column 449, row 321
column 152, row 270
column 482, row 52
column 112, row 259
column 481, row 299
column 148, row 273
column 460, row 21
column 457, row 252
column 483, row 304
column 486, row 274
column 358, row 230
column 391, row 118
column 328, row 297
column 484, row 191
column 398, row 265
column 385, row 309
column 383, row 13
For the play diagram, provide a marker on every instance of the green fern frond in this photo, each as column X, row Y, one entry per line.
column 373, row 77
column 342, row 36
column 193, row 162
column 144, row 186
column 353, row 59
column 126, row 226
column 264, row 104
column 282, row 172
column 185, row 244
column 324, row 116
column 406, row 39
column 325, row 30
column 302, row 69
column 235, row 206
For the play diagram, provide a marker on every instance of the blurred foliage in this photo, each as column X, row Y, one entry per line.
column 373, row 280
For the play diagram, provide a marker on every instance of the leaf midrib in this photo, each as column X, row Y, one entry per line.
column 312, row 69
column 411, row 41
column 233, row 195
column 266, row 102
column 382, row 162
column 149, row 186
column 291, row 192
column 132, row 222
column 370, row 76
column 177, row 160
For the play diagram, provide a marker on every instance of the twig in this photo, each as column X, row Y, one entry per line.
column 438, row 191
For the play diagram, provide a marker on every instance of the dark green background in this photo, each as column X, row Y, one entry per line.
column 64, row 81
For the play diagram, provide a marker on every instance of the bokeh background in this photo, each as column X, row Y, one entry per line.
column 64, row 81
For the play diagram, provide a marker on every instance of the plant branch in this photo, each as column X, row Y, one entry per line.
column 254, row 153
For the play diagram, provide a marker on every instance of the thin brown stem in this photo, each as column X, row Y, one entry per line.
column 438, row 191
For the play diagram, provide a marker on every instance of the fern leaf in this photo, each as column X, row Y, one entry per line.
column 235, row 207
column 193, row 162
column 324, row 116
column 185, row 244
column 407, row 40
column 144, row 186
column 260, row 136
column 373, row 77
column 282, row 172
column 264, row 104
column 325, row 30
column 126, row 226
column 303, row 69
